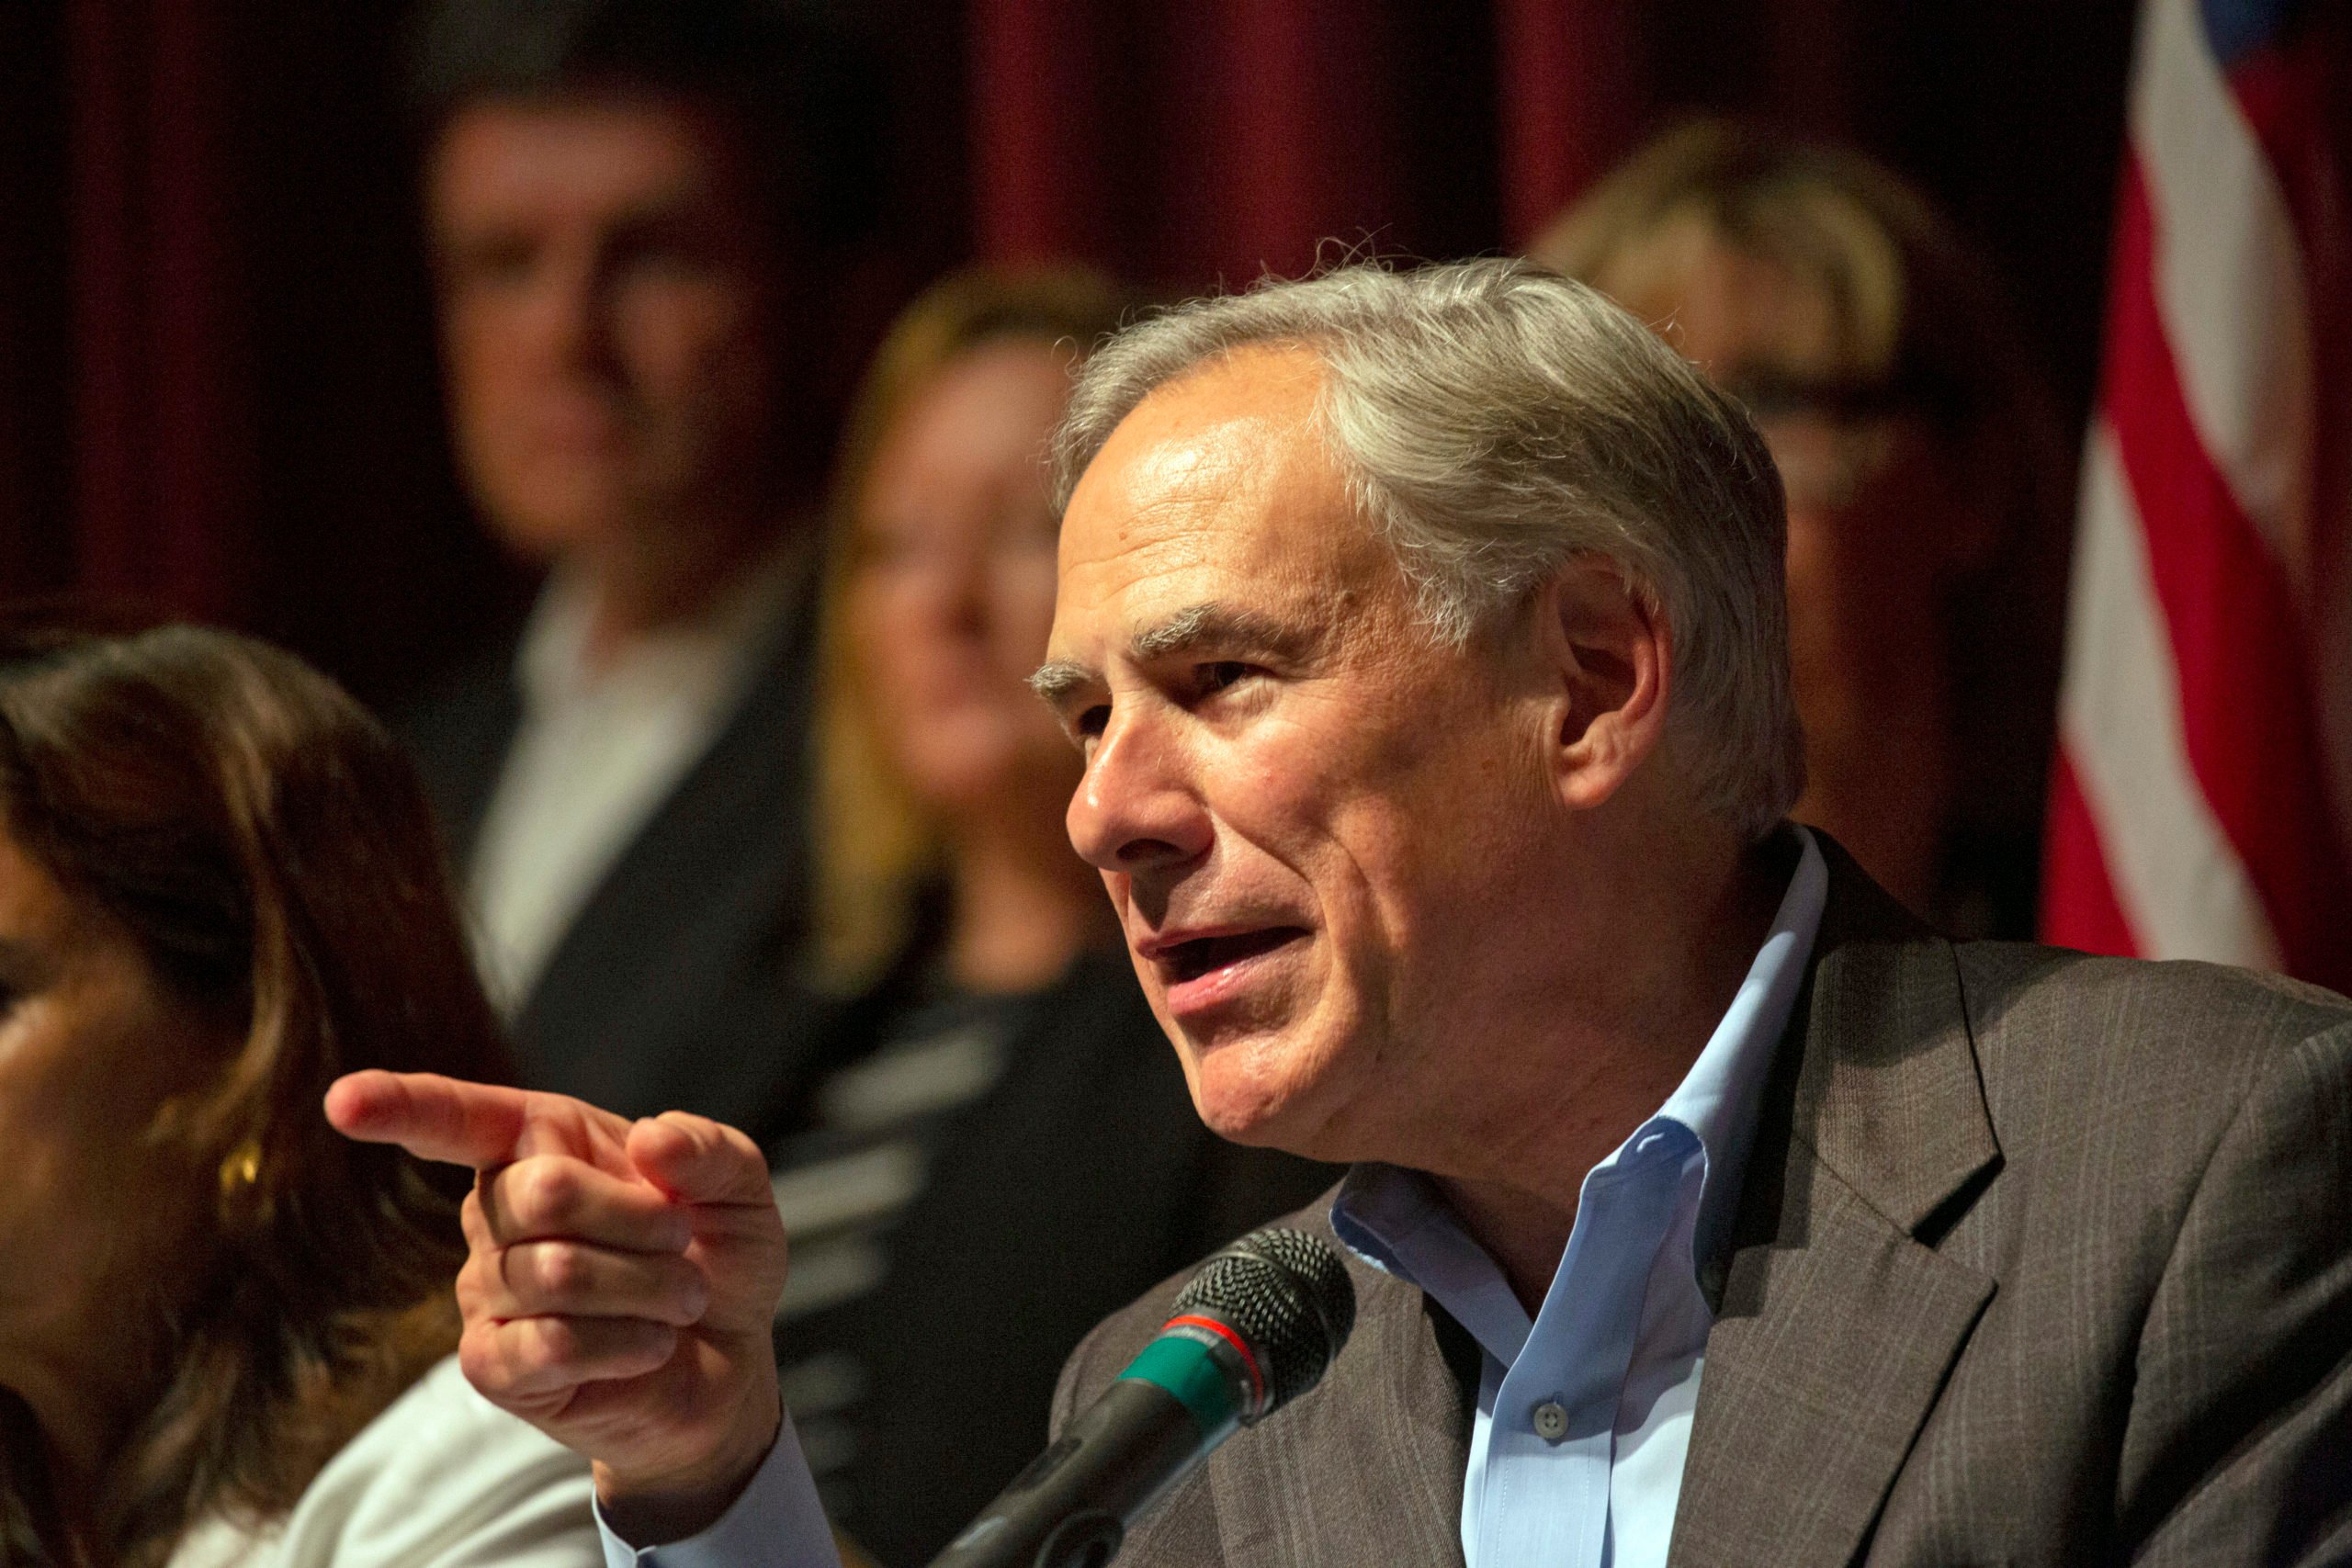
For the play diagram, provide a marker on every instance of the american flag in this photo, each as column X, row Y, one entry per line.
column 2203, row 801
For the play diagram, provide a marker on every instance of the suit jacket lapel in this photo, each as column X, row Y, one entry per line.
column 460, row 739
column 1838, row 1322
column 1368, row 1469
column 676, row 983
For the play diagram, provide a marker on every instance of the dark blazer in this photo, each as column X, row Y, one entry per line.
column 677, row 986
column 2041, row 1259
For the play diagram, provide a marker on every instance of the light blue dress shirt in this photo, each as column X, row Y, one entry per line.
column 1584, row 1415
column 776, row 1523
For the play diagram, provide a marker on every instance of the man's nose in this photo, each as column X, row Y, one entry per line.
column 1135, row 809
column 573, row 309
column 959, row 582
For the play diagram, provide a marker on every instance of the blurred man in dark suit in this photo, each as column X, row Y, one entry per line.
column 623, row 205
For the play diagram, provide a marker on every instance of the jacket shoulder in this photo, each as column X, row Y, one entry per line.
column 2195, row 1029
column 2125, row 1068
column 2205, row 990
column 2171, row 1235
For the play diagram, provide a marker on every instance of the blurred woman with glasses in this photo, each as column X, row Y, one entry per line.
column 1927, row 494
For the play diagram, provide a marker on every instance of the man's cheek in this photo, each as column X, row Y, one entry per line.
column 1118, row 888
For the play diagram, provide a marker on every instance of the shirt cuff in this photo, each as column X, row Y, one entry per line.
column 776, row 1523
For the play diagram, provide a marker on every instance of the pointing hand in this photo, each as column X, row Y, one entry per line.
column 620, row 1282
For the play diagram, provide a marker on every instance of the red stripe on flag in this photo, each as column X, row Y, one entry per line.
column 2235, row 627
column 2078, row 904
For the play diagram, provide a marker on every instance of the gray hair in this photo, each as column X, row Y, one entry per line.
column 1494, row 420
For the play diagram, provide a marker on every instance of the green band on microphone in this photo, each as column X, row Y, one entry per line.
column 1188, row 1369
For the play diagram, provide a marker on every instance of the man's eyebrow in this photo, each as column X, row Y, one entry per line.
column 1058, row 680
column 1227, row 628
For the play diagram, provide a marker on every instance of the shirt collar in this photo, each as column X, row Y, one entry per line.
column 1394, row 1220
column 1717, row 1101
column 550, row 659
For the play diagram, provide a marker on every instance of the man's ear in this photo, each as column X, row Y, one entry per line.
column 1607, row 657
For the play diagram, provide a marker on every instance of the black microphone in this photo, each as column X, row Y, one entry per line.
column 1254, row 1329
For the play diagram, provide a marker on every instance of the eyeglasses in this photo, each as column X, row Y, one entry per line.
column 1829, row 437
column 1825, row 462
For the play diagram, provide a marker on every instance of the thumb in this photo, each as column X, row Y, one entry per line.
column 696, row 1160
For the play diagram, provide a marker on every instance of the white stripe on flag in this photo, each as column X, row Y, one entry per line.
column 2228, row 280
column 2180, row 883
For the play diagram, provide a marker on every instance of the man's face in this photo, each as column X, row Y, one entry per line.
column 1307, row 811
column 605, row 289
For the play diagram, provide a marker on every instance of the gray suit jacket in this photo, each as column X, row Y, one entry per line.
column 2040, row 1259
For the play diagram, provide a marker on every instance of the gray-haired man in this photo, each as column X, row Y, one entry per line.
column 1423, row 634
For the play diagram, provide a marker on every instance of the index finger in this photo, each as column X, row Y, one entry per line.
column 431, row 1116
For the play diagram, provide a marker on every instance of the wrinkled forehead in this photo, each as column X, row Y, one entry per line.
column 1219, row 485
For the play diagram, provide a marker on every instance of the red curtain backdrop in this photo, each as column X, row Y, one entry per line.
column 162, row 495
column 1571, row 89
column 1192, row 143
column 1040, row 189
column 222, row 396
column 217, row 384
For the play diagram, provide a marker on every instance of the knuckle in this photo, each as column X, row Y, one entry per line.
column 691, row 1281
column 562, row 1270
column 686, row 1122
column 678, row 1290
column 545, row 1191
column 653, row 1344
column 548, row 1344
column 478, row 1357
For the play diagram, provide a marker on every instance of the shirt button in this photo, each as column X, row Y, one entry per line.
column 1550, row 1421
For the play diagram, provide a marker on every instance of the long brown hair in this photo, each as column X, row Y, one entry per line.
column 269, row 846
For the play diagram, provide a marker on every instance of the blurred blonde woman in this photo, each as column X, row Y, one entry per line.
column 1926, row 488
column 1005, row 1151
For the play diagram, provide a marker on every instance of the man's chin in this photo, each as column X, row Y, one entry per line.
column 1243, row 1102
column 548, row 521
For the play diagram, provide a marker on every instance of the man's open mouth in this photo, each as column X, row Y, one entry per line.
column 1191, row 960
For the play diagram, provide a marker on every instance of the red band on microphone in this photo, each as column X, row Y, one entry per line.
column 1241, row 1347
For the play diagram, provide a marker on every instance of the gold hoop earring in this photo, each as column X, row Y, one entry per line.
column 240, row 1168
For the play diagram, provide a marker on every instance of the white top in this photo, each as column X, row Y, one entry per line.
column 441, row 1478
column 597, row 752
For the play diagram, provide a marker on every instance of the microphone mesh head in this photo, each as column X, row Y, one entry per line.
column 1288, row 1296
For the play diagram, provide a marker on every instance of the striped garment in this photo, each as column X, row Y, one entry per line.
column 2203, row 792
column 844, row 1186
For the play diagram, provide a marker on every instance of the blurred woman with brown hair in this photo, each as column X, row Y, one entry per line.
column 220, row 1322
column 1007, row 1150
column 1926, row 487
